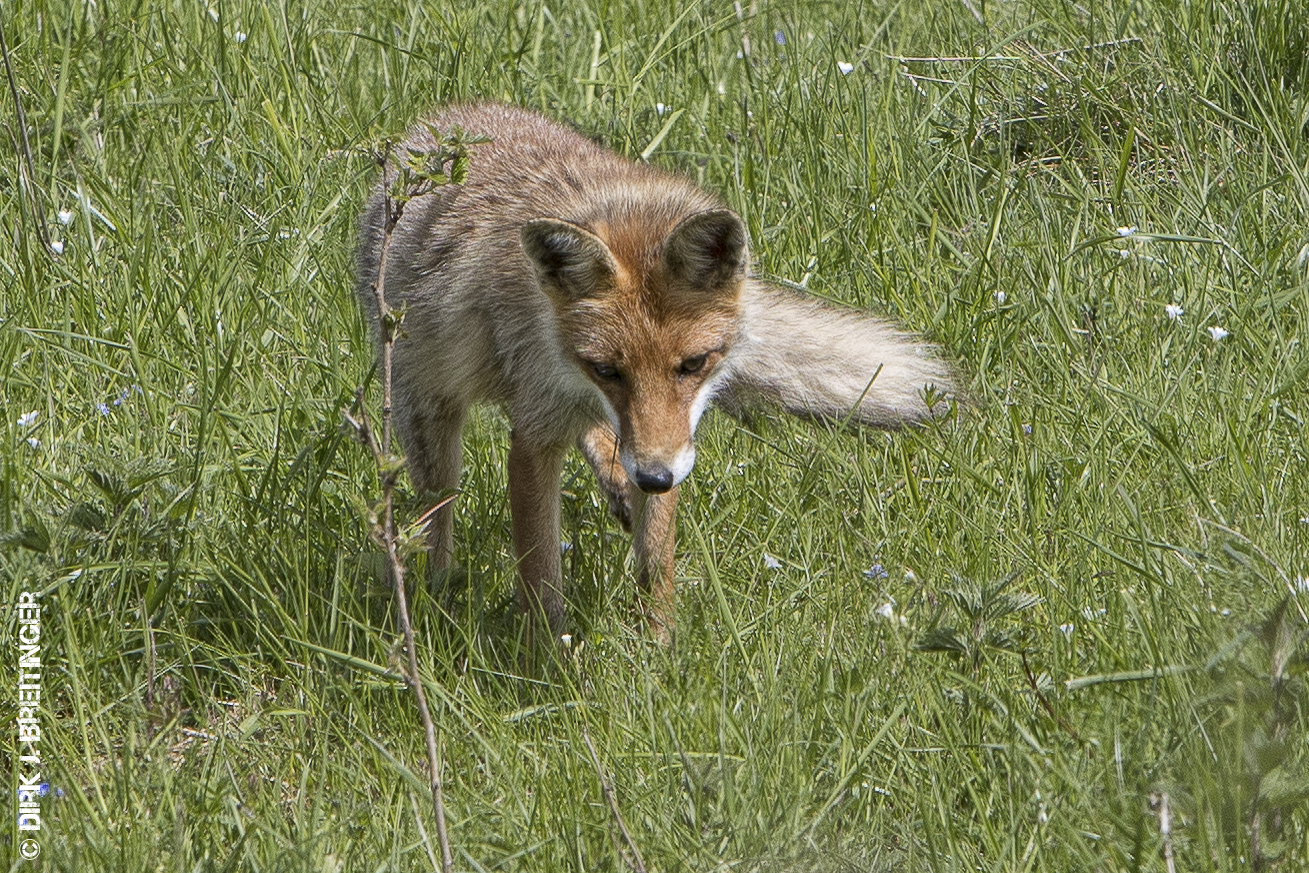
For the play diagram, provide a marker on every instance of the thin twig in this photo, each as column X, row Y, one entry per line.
column 634, row 859
column 389, row 536
column 28, row 166
column 1045, row 704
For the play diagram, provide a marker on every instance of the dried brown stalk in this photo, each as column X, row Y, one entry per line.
column 385, row 531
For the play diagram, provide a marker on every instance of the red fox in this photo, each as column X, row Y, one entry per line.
column 605, row 304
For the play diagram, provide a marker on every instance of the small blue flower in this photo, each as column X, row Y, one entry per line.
column 877, row 571
column 44, row 789
column 102, row 408
column 779, row 38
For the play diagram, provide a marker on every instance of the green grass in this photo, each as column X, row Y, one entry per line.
column 218, row 651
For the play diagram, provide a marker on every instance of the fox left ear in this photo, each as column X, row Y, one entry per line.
column 708, row 250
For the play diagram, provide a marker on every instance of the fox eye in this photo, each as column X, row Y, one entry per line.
column 607, row 372
column 692, row 365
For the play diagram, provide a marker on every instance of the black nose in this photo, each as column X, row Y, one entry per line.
column 654, row 480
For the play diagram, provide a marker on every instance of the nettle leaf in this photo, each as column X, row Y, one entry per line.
column 112, row 487
column 967, row 598
column 1281, row 790
column 942, row 639
column 87, row 517
column 35, row 536
column 1284, row 638
column 1008, row 604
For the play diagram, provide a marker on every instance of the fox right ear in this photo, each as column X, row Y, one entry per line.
column 570, row 261
column 708, row 249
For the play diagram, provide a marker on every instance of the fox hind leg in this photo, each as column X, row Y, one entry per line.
column 431, row 435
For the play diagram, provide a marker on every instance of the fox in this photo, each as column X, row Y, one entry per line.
column 605, row 305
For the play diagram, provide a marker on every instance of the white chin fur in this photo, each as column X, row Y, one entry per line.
column 683, row 463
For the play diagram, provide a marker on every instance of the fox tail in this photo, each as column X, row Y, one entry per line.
column 815, row 361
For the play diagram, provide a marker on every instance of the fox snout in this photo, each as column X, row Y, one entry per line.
column 656, row 475
column 654, row 479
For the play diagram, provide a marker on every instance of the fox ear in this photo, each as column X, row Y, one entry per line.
column 707, row 250
column 570, row 261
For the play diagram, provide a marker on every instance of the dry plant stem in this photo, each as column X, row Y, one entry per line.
column 1045, row 704
column 634, row 859
column 393, row 559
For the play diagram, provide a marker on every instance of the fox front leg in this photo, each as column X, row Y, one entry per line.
column 534, row 473
column 656, row 526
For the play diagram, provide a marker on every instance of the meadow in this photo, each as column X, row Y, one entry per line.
column 1062, row 629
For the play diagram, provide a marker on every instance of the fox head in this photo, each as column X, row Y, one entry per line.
column 648, row 318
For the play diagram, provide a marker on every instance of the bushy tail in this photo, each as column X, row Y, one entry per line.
column 818, row 362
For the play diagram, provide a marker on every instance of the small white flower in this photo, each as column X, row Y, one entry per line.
column 1000, row 298
column 771, row 563
column 1217, row 333
column 34, row 442
column 1127, row 231
column 57, row 247
column 845, row 68
column 1067, row 630
column 886, row 610
column 65, row 217
column 1174, row 311
column 28, row 419
column 240, row 37
column 910, row 576
column 567, row 640
column 660, row 109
